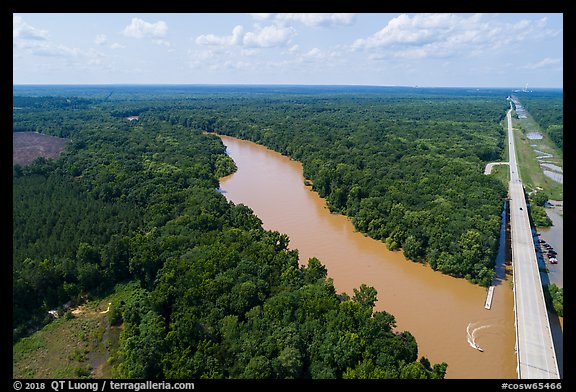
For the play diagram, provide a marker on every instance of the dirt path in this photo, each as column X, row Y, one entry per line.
column 489, row 166
column 107, row 310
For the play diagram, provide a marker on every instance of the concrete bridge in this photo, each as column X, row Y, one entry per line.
column 534, row 345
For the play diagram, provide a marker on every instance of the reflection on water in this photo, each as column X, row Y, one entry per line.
column 435, row 308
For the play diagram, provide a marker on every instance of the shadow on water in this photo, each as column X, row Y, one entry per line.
column 558, row 339
column 555, row 325
column 501, row 256
column 504, row 254
column 554, row 320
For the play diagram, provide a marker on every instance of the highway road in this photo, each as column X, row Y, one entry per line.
column 534, row 345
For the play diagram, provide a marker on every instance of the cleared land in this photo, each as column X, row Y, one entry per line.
column 62, row 349
column 81, row 345
column 27, row 146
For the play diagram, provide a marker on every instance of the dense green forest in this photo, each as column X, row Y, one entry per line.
column 405, row 164
column 220, row 296
column 406, row 167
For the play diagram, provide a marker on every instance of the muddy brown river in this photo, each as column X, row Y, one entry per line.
column 444, row 314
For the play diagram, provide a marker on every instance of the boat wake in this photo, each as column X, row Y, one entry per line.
column 471, row 335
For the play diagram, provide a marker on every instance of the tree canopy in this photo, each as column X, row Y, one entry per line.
column 218, row 296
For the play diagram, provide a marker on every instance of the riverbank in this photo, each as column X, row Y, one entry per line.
column 437, row 309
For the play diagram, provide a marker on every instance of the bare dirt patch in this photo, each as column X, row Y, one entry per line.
column 27, row 146
column 65, row 348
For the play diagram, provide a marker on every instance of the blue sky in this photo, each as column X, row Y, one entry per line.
column 468, row 50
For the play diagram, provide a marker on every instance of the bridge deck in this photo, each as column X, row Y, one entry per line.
column 534, row 345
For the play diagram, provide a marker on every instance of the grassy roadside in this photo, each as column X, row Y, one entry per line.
column 531, row 173
column 77, row 345
column 501, row 172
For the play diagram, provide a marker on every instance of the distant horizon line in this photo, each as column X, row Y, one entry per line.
column 276, row 85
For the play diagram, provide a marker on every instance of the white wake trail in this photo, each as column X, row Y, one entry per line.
column 471, row 335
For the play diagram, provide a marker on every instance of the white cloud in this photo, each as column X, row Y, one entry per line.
column 231, row 65
column 547, row 62
column 22, row 31
column 269, row 36
column 313, row 53
column 162, row 42
column 30, row 40
column 318, row 58
column 542, row 22
column 249, row 52
column 262, row 37
column 218, row 59
column 139, row 28
column 310, row 19
column 210, row 39
column 442, row 35
column 27, row 38
column 262, row 15
column 100, row 39
column 199, row 58
column 419, row 30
